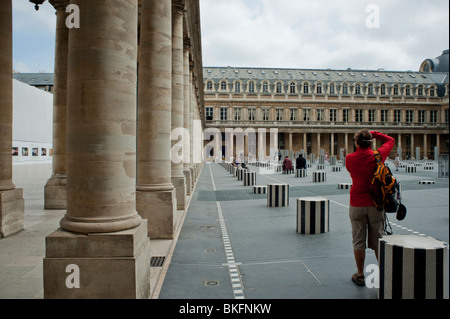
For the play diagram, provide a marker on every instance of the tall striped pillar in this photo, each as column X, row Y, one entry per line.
column 412, row 267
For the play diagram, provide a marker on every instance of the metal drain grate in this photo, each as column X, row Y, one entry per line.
column 157, row 261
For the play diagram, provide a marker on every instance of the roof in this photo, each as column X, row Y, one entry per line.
column 323, row 75
column 35, row 79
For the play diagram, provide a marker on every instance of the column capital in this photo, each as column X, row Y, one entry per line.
column 179, row 6
column 59, row 5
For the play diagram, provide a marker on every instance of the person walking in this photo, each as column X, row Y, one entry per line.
column 366, row 221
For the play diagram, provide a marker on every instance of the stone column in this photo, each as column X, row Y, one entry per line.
column 332, row 144
column 102, row 239
column 155, row 193
column 305, row 145
column 187, row 121
column 178, row 179
column 412, row 147
column 11, row 198
column 425, row 147
column 55, row 189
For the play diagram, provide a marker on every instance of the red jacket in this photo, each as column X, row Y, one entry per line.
column 287, row 164
column 361, row 166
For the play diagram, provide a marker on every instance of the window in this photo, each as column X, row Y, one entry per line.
column 395, row 89
column 265, row 87
column 384, row 116
column 371, row 116
column 332, row 88
column 292, row 88
column 383, row 90
column 408, row 91
column 433, row 116
column 305, row 88
column 420, row 91
column 209, row 86
column 397, row 116
column 370, row 89
column 446, row 116
column 345, row 89
column 359, row 116
column 224, row 114
column 345, row 115
column 421, row 116
column 432, row 91
column 358, row 89
column 279, row 88
column 266, row 114
column 307, row 115
column 279, row 114
column 223, row 86
column 209, row 113
column 251, row 87
column 409, row 116
column 319, row 115
column 237, row 114
column 319, row 88
column 333, row 115
column 237, row 87
column 251, row 114
column 293, row 114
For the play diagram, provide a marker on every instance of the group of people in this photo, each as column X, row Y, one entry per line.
column 300, row 163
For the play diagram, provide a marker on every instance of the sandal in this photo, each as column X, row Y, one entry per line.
column 359, row 280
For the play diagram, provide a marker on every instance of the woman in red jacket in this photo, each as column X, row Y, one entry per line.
column 367, row 222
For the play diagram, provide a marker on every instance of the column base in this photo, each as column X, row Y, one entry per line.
column 55, row 196
column 106, row 265
column 11, row 212
column 180, row 186
column 159, row 208
column 189, row 180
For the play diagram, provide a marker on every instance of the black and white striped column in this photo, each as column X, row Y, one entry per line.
column 411, row 169
column 319, row 177
column 300, row 173
column 412, row 267
column 259, row 189
column 336, row 168
column 249, row 178
column 313, row 215
column 278, row 195
column 344, row 185
column 240, row 174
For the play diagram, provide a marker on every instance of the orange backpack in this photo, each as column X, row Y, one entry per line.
column 384, row 187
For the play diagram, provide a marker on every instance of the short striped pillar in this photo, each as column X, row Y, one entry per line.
column 278, row 195
column 313, row 215
column 427, row 182
column 428, row 168
column 240, row 174
column 249, row 178
column 344, row 185
column 411, row 169
column 319, row 177
column 259, row 189
column 233, row 171
column 288, row 171
column 320, row 166
column 412, row 267
column 336, row 168
column 300, row 173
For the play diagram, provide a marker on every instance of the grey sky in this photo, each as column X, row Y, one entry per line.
column 323, row 33
column 280, row 33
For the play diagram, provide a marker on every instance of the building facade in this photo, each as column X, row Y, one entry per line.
column 320, row 110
